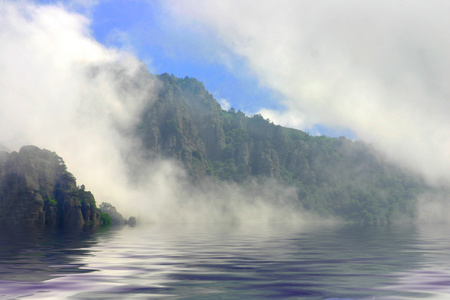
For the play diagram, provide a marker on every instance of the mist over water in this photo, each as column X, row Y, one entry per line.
column 63, row 91
column 232, row 262
column 378, row 69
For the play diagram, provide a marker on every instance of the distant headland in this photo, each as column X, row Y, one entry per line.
column 37, row 190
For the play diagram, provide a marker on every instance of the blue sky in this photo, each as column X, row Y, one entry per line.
column 142, row 27
column 146, row 29
column 374, row 70
column 371, row 70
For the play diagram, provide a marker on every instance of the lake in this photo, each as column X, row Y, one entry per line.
column 228, row 262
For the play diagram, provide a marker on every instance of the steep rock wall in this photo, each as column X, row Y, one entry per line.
column 37, row 190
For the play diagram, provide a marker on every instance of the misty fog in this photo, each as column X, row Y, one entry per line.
column 377, row 68
column 63, row 91
column 385, row 80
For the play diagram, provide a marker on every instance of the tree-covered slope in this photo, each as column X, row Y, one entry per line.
column 332, row 175
column 37, row 190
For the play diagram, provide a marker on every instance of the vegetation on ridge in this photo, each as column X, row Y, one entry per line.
column 37, row 190
column 333, row 176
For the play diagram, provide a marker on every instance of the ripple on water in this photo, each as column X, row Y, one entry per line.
column 197, row 262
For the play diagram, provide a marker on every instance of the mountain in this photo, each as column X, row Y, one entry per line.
column 333, row 176
column 37, row 190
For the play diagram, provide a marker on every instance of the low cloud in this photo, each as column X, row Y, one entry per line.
column 224, row 104
column 379, row 69
column 63, row 91
column 433, row 208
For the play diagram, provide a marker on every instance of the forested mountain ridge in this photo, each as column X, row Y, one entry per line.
column 332, row 175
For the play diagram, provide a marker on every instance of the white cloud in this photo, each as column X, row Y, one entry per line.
column 290, row 119
column 63, row 91
column 379, row 68
column 224, row 103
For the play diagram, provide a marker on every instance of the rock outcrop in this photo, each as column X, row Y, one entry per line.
column 37, row 190
column 167, row 129
column 334, row 176
column 116, row 217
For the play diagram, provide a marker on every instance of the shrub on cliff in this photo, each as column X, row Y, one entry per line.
column 105, row 219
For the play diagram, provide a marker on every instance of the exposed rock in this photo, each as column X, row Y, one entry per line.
column 168, row 130
column 131, row 221
column 37, row 190
column 116, row 217
column 332, row 175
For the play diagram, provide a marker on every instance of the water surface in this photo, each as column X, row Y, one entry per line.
column 227, row 262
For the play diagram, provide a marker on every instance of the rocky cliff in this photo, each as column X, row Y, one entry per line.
column 37, row 190
column 332, row 175
column 168, row 130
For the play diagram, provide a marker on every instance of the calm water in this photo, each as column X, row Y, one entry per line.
column 226, row 262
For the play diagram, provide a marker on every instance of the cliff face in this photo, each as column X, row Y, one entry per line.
column 167, row 129
column 332, row 175
column 37, row 190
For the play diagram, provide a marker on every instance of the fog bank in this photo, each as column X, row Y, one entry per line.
column 378, row 68
column 63, row 91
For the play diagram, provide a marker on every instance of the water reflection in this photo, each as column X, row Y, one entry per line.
column 432, row 277
column 31, row 256
column 226, row 262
